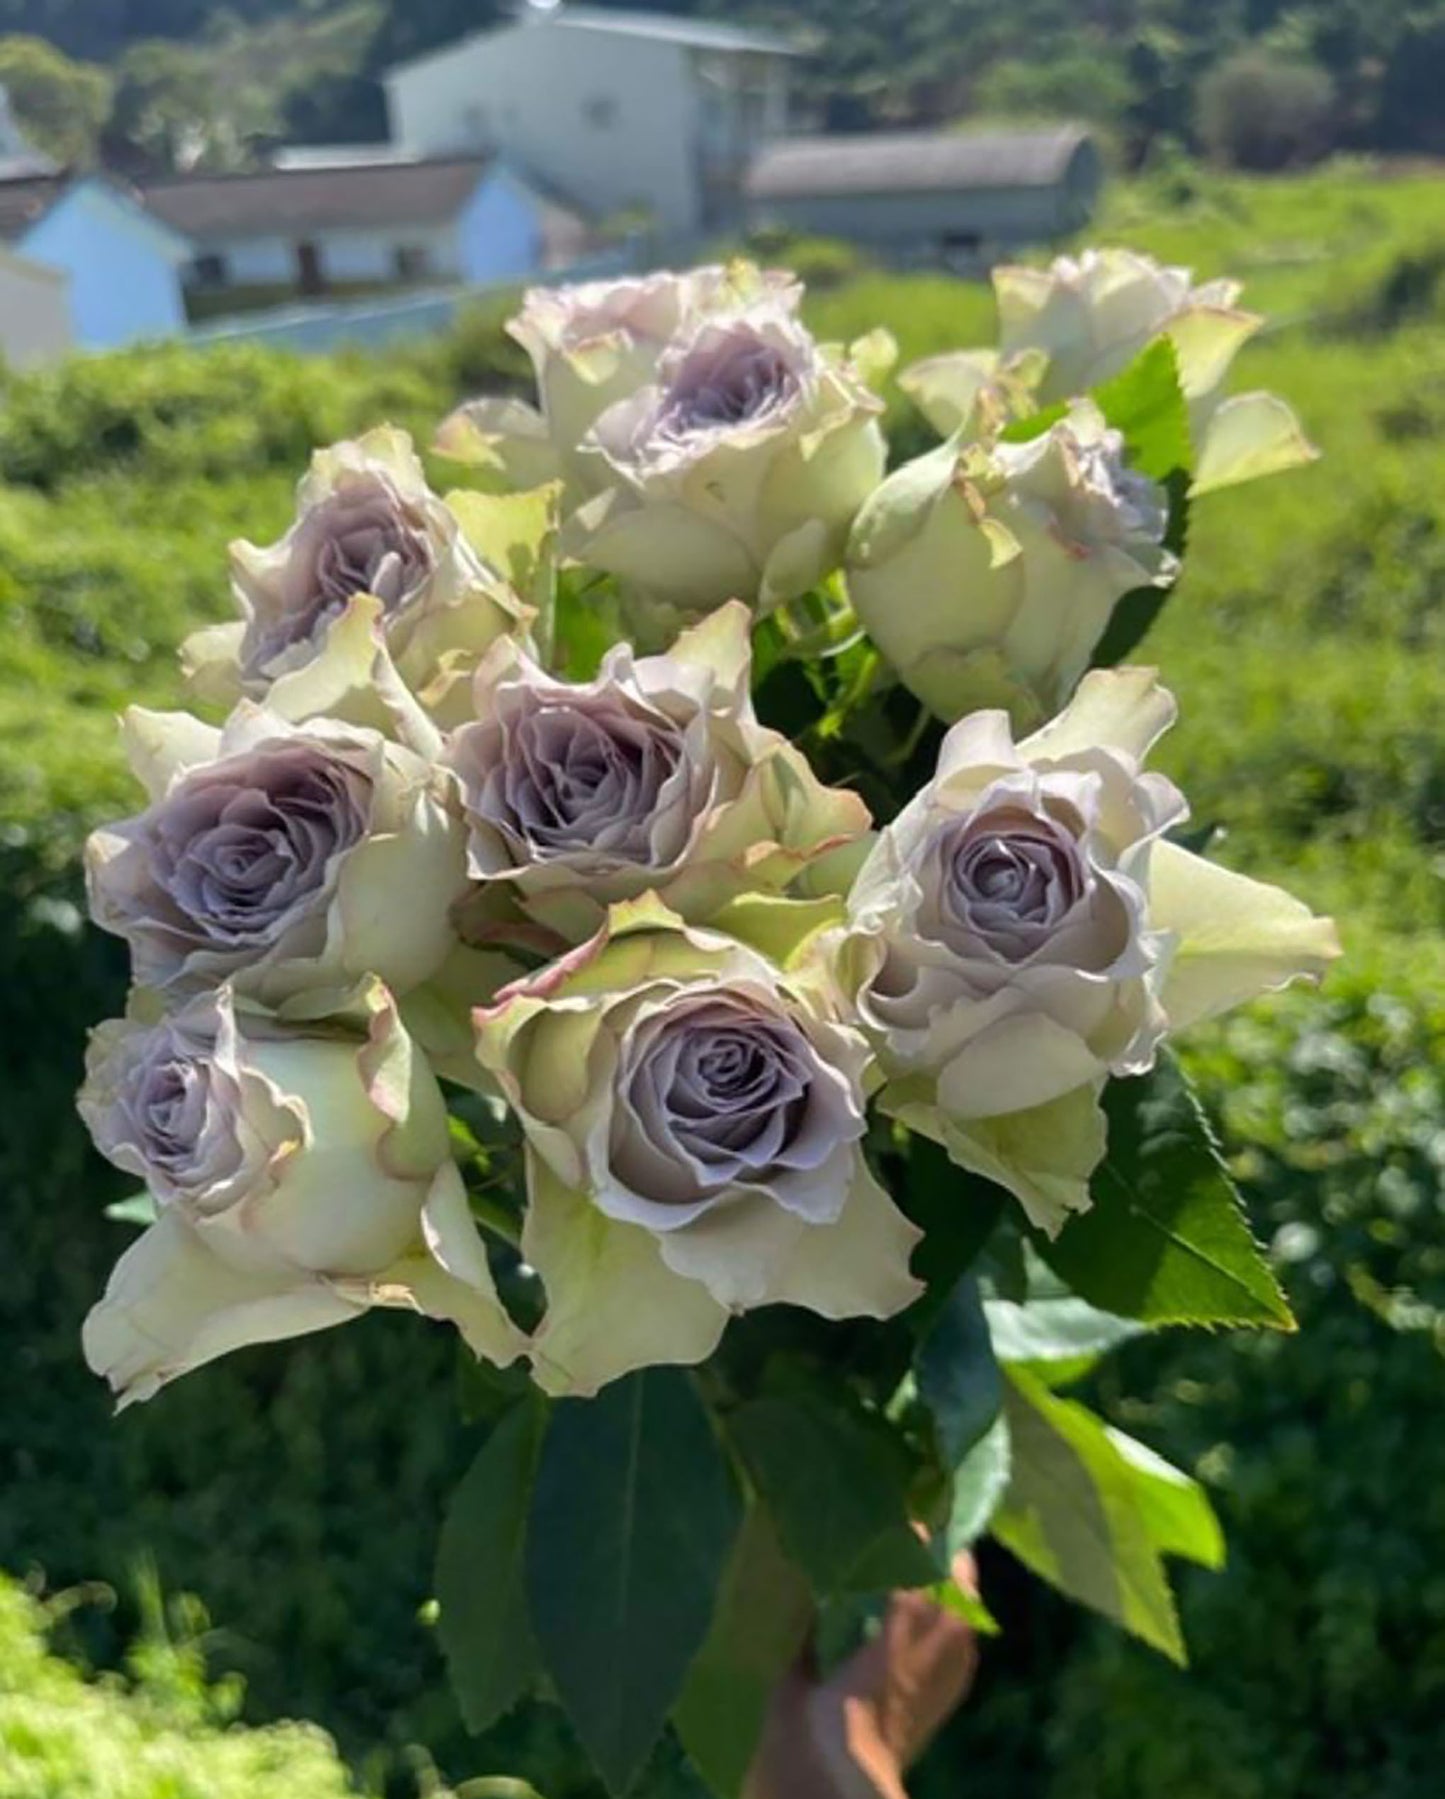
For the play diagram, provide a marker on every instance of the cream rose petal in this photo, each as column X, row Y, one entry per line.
column 171, row 1305
column 613, row 1305
column 1238, row 938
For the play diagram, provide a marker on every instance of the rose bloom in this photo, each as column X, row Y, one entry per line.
column 366, row 524
column 694, row 1119
column 592, row 344
column 1023, row 930
column 989, row 577
column 735, row 474
column 655, row 776
column 300, row 1176
column 284, row 859
column 1083, row 320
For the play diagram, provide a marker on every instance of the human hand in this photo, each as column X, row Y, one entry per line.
column 854, row 1735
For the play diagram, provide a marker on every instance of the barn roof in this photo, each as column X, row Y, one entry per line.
column 886, row 162
column 289, row 200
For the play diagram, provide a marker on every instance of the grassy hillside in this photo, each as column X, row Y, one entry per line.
column 296, row 1490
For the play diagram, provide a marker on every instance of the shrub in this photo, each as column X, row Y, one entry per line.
column 1257, row 111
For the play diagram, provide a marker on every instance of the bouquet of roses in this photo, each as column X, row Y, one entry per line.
column 689, row 910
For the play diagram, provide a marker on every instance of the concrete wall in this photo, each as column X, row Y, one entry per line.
column 124, row 285
column 611, row 120
column 34, row 313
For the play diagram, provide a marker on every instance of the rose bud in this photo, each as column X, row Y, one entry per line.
column 300, row 1175
column 694, row 1119
column 1088, row 317
column 284, row 859
column 591, row 345
column 1023, row 930
column 735, row 474
column 655, row 776
column 988, row 578
column 366, row 524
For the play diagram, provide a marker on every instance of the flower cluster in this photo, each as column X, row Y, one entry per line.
column 445, row 841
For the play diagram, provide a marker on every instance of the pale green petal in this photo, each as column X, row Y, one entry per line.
column 515, row 534
column 352, row 679
column 161, row 745
column 776, row 926
column 1206, row 341
column 1114, row 708
column 1248, row 436
column 796, row 563
column 945, row 389
column 613, row 1305
column 1017, row 1064
column 211, row 663
column 395, row 894
column 505, row 438
column 672, row 551
column 1238, row 938
column 171, row 1305
column 1043, row 1156
column 856, row 1267
column 452, row 1280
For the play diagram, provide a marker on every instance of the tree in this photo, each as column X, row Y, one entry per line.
column 59, row 103
column 1258, row 111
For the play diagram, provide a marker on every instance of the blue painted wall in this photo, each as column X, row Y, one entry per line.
column 124, row 282
column 499, row 232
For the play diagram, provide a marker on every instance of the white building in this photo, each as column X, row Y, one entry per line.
column 621, row 111
column 34, row 312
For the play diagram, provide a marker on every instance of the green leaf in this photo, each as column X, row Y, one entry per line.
column 1146, row 404
column 1091, row 1516
column 956, row 1374
column 138, row 1208
column 633, row 1521
column 1025, row 430
column 1058, row 1336
column 587, row 623
column 979, row 1483
column 1166, row 1240
column 837, row 1490
column 762, row 1619
column 957, row 1213
column 483, row 1626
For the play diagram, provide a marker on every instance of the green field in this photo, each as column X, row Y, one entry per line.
column 295, row 1491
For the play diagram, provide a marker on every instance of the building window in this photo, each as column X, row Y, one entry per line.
column 600, row 112
column 411, row 262
column 209, row 270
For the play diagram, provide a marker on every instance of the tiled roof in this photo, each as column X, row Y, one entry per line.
column 286, row 201
column 885, row 162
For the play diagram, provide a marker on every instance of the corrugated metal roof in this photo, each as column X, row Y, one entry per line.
column 881, row 162
column 291, row 200
column 701, row 34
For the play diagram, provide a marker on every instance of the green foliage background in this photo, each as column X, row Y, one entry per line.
column 297, row 1491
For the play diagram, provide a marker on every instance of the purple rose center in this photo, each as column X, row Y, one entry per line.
column 240, row 847
column 732, row 376
column 364, row 537
column 176, row 1110
column 1009, row 879
column 585, row 773
column 719, row 1094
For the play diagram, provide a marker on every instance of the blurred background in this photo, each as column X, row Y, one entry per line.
column 232, row 231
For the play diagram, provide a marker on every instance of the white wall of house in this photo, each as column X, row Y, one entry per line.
column 615, row 121
column 371, row 254
column 495, row 236
column 34, row 312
